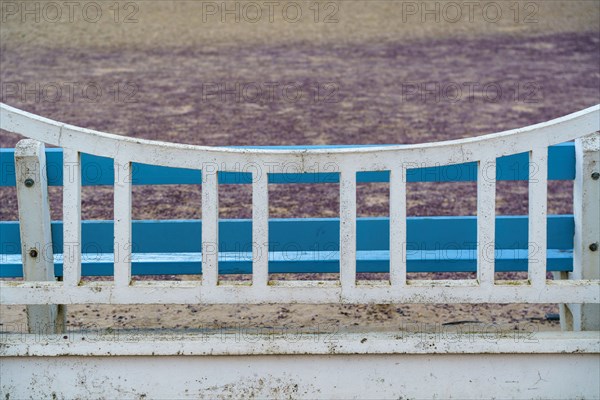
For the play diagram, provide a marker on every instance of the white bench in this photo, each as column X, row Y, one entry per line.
column 47, row 363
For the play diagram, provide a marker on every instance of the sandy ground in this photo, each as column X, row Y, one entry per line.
column 156, row 63
column 329, row 318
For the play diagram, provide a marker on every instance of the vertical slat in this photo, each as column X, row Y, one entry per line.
column 210, row 228
column 538, row 198
column 71, row 217
column 122, row 227
column 260, row 229
column 36, row 235
column 486, row 221
column 398, row 227
column 348, row 229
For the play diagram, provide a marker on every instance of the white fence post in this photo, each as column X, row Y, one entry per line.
column 36, row 237
column 586, row 254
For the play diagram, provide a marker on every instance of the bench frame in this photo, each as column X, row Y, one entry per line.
column 314, row 364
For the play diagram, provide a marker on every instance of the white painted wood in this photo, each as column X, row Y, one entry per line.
column 398, row 227
column 260, row 229
column 347, row 230
column 493, row 145
column 36, row 236
column 307, row 292
column 243, row 340
column 586, row 211
column 71, row 217
column 483, row 376
column 332, row 365
column 290, row 255
column 210, row 228
column 538, row 204
column 486, row 221
column 122, row 228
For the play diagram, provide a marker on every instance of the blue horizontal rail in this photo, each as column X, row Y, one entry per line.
column 434, row 244
column 99, row 170
column 101, row 264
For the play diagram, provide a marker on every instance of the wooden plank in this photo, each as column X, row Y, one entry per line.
column 397, row 242
column 210, row 229
column 174, row 155
column 99, row 171
column 306, row 292
column 305, row 234
column 260, row 230
column 486, row 219
column 373, row 261
column 348, row 229
column 538, row 204
column 122, row 227
column 412, row 365
column 72, row 217
column 434, row 235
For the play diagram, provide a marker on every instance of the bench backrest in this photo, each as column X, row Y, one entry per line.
column 484, row 244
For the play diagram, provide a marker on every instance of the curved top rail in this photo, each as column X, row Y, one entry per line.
column 127, row 149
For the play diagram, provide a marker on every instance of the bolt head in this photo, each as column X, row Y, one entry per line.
column 33, row 253
column 29, row 182
column 595, row 175
column 594, row 246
